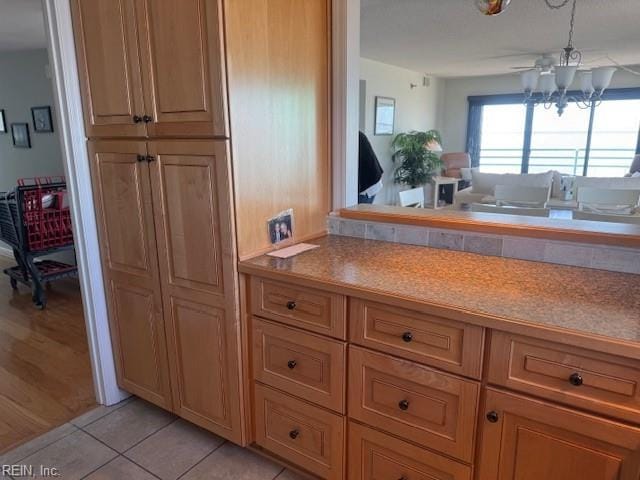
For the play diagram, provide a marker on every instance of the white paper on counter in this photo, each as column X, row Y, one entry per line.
column 292, row 250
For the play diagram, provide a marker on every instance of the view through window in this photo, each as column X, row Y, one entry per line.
column 560, row 143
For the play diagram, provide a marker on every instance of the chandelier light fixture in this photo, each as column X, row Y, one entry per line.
column 553, row 83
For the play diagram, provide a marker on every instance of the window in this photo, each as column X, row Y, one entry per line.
column 506, row 136
column 559, row 143
column 502, row 138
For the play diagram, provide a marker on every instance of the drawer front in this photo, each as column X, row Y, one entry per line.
column 313, row 310
column 415, row 402
column 603, row 383
column 303, row 434
column 439, row 342
column 374, row 455
column 302, row 364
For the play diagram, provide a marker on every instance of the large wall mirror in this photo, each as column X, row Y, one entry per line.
column 495, row 115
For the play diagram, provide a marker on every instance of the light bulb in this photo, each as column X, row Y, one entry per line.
column 492, row 7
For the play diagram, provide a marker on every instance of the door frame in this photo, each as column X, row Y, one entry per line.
column 66, row 85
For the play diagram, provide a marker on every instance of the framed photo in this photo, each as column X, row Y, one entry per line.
column 3, row 122
column 280, row 228
column 20, row 133
column 42, row 121
column 385, row 116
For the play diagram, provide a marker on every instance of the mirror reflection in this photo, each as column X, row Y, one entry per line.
column 533, row 112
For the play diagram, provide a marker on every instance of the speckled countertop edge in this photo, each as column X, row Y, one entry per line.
column 579, row 300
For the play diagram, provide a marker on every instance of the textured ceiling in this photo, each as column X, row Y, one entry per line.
column 21, row 25
column 450, row 38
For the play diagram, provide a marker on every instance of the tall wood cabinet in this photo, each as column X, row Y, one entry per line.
column 156, row 104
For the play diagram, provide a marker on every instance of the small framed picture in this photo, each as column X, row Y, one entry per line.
column 385, row 116
column 20, row 133
column 42, row 122
column 280, row 228
column 3, row 122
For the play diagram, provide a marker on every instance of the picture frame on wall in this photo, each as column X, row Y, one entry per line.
column 3, row 122
column 42, row 120
column 385, row 110
column 20, row 134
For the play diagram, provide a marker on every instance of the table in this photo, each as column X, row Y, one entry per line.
column 444, row 188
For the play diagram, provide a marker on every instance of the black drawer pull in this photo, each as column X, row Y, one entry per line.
column 576, row 380
column 403, row 405
column 137, row 119
column 141, row 158
column 294, row 434
column 291, row 305
column 147, row 119
column 493, row 417
column 407, row 337
column 292, row 364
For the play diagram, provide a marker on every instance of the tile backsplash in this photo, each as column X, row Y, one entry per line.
column 600, row 257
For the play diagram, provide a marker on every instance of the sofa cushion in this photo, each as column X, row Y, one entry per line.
column 616, row 183
column 486, row 182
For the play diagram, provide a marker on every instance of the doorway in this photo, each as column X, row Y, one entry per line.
column 45, row 363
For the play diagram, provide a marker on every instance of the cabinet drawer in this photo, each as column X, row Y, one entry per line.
column 442, row 343
column 603, row 383
column 307, row 436
column 415, row 402
column 314, row 310
column 374, row 455
column 302, row 364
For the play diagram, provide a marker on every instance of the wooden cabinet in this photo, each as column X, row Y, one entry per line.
column 525, row 439
column 602, row 383
column 194, row 229
column 308, row 308
column 420, row 404
column 108, row 55
column 305, row 365
column 151, row 67
column 123, row 200
column 166, row 231
column 436, row 341
column 374, row 455
column 300, row 432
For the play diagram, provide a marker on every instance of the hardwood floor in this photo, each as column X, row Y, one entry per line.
column 45, row 371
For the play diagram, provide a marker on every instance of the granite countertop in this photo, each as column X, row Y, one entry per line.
column 583, row 300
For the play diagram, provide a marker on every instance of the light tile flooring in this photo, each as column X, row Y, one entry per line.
column 135, row 440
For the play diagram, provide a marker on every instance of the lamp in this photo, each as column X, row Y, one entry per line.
column 492, row 7
column 433, row 146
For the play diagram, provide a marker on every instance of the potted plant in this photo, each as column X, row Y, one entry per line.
column 417, row 162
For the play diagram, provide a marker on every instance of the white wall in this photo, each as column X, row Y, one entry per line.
column 453, row 113
column 416, row 109
column 24, row 84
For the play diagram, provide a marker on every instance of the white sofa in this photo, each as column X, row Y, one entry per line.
column 483, row 186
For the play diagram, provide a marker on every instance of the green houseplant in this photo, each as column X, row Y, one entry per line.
column 417, row 164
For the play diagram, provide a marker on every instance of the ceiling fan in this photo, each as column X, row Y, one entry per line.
column 544, row 64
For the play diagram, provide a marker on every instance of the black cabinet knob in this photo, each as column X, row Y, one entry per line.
column 292, row 364
column 137, row 119
column 291, row 305
column 576, row 380
column 407, row 336
column 493, row 417
column 147, row 119
column 294, row 434
column 403, row 405
column 141, row 158
column 150, row 158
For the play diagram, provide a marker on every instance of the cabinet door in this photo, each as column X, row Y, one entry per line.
column 533, row 440
column 183, row 67
column 122, row 196
column 109, row 67
column 193, row 214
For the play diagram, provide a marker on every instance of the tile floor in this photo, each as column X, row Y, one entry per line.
column 135, row 440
